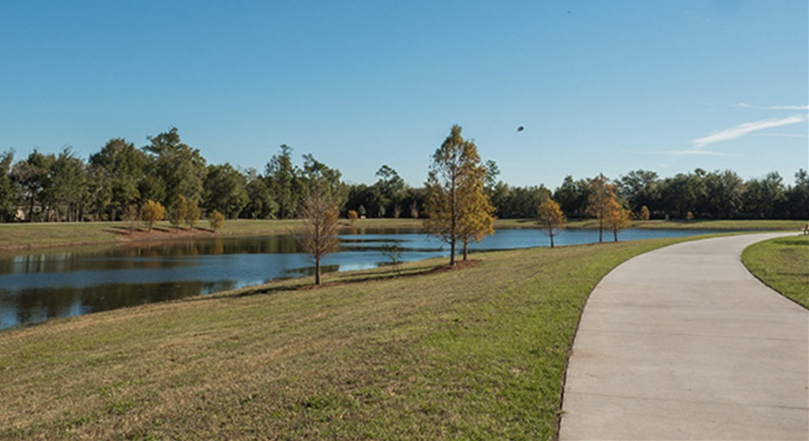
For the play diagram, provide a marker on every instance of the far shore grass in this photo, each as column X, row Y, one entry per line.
column 20, row 236
column 783, row 264
column 477, row 352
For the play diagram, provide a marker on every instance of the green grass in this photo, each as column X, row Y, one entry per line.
column 758, row 224
column 719, row 225
column 39, row 235
column 783, row 264
column 472, row 353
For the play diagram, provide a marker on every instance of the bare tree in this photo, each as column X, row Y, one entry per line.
column 318, row 235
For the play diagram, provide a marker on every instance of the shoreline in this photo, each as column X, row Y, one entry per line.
column 26, row 237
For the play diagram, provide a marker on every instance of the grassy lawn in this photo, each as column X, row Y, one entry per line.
column 783, row 264
column 758, row 224
column 38, row 235
column 472, row 353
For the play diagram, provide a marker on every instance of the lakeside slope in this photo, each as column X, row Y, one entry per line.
column 475, row 352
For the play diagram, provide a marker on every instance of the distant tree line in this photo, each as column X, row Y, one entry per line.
column 121, row 178
column 696, row 195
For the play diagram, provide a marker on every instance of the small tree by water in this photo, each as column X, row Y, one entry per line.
column 318, row 234
column 131, row 217
column 551, row 219
column 617, row 218
column 192, row 214
column 392, row 251
column 178, row 210
column 152, row 212
column 216, row 220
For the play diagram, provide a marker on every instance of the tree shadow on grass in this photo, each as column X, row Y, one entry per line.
column 354, row 278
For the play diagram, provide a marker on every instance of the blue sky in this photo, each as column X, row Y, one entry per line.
column 600, row 86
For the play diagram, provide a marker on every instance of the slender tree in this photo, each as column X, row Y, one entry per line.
column 192, row 214
column 178, row 210
column 282, row 180
column 476, row 219
column 616, row 217
column 216, row 220
column 599, row 201
column 130, row 215
column 318, row 235
column 455, row 190
column 551, row 219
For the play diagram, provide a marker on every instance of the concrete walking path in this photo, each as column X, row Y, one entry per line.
column 684, row 343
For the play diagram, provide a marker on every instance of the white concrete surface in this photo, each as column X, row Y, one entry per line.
column 684, row 343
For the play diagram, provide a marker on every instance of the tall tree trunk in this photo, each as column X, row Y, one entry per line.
column 453, row 221
column 550, row 233
column 600, row 230
column 615, row 232
column 31, row 210
column 317, row 270
column 465, row 252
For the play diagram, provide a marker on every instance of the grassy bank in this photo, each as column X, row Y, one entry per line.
column 783, row 264
column 718, row 225
column 752, row 225
column 473, row 353
column 40, row 235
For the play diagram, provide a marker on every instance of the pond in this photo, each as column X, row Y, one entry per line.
column 39, row 285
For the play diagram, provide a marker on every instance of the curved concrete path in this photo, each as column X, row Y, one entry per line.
column 684, row 343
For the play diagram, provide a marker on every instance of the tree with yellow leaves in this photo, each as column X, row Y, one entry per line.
column 457, row 208
column 617, row 217
column 551, row 218
column 216, row 220
column 152, row 212
column 476, row 219
column 601, row 194
column 644, row 213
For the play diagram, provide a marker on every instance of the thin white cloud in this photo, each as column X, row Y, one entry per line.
column 746, row 128
column 783, row 135
column 697, row 153
column 691, row 152
column 751, row 106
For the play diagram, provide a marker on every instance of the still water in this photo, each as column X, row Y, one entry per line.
column 36, row 286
